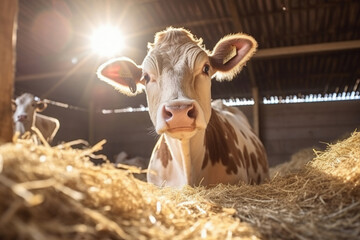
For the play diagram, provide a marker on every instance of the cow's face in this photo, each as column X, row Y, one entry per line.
column 176, row 75
column 25, row 106
column 177, row 78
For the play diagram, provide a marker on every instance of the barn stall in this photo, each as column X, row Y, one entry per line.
column 307, row 60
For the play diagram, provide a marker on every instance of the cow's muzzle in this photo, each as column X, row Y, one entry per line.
column 180, row 116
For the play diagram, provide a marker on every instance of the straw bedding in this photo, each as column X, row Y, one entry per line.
column 297, row 162
column 57, row 193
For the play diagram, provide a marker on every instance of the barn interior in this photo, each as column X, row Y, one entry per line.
column 300, row 90
column 310, row 98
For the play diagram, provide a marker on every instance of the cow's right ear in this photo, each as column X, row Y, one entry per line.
column 123, row 74
column 230, row 54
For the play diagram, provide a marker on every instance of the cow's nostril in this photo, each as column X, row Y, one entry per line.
column 192, row 113
column 167, row 113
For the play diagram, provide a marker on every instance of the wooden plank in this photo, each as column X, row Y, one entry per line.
column 8, row 23
column 288, row 128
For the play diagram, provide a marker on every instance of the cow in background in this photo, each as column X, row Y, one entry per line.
column 26, row 116
column 201, row 143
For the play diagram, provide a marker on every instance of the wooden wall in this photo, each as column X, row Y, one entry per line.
column 285, row 128
column 288, row 128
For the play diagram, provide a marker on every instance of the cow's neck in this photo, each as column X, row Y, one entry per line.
column 189, row 154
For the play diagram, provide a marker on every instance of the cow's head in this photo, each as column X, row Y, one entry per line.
column 176, row 75
column 25, row 107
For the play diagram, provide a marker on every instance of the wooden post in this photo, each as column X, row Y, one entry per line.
column 8, row 25
column 255, row 94
column 256, row 119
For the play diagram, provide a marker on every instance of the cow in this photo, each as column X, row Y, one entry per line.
column 201, row 142
column 26, row 116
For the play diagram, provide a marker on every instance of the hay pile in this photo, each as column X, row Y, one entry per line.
column 297, row 162
column 56, row 193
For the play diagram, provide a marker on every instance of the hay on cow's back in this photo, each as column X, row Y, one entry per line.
column 57, row 193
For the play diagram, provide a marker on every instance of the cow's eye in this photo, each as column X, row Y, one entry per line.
column 33, row 104
column 206, row 69
column 146, row 77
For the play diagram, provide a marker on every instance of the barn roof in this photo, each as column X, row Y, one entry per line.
column 305, row 46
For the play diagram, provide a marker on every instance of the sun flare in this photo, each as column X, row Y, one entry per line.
column 107, row 41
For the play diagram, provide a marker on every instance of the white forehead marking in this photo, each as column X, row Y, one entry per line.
column 25, row 99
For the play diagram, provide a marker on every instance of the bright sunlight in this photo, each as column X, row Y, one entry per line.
column 107, row 41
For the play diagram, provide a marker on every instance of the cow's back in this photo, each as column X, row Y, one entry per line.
column 252, row 153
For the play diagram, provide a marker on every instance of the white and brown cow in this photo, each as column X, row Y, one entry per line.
column 26, row 108
column 201, row 143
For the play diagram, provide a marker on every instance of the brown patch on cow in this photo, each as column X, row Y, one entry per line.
column 258, row 179
column 253, row 140
column 254, row 161
column 163, row 152
column 246, row 157
column 263, row 160
column 220, row 144
column 245, row 136
column 241, row 158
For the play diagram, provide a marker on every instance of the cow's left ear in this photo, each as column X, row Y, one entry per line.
column 230, row 54
column 123, row 74
column 40, row 106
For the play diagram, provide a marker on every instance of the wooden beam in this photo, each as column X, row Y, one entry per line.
column 303, row 49
column 8, row 23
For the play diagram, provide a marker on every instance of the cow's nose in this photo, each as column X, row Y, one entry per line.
column 172, row 111
column 179, row 115
column 22, row 117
